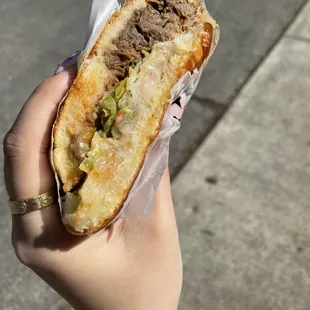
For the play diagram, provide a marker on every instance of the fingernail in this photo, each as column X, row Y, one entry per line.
column 67, row 63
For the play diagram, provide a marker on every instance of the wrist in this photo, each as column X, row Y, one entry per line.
column 94, row 289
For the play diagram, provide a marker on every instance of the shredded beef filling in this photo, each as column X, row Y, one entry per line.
column 159, row 21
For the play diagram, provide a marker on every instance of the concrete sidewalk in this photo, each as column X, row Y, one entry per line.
column 249, row 29
column 243, row 201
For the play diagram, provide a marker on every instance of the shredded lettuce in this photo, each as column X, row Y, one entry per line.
column 88, row 163
column 108, row 124
column 101, row 134
column 109, row 108
column 106, row 113
column 114, row 133
column 120, row 90
column 111, row 105
column 145, row 53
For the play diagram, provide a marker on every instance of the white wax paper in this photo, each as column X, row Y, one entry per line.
column 141, row 196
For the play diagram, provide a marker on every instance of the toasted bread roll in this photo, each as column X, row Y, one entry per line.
column 116, row 105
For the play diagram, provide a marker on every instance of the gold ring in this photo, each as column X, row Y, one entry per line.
column 32, row 204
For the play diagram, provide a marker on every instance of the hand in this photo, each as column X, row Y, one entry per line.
column 134, row 264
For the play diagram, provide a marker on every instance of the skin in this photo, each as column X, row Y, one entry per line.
column 134, row 264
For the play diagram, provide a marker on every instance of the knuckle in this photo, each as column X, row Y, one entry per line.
column 22, row 253
column 25, row 251
column 12, row 143
column 42, row 88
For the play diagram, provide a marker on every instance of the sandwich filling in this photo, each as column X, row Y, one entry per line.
column 159, row 21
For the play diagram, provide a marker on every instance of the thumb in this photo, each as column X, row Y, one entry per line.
column 26, row 145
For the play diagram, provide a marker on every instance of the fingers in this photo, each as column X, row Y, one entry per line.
column 34, row 122
column 27, row 166
column 163, row 210
column 26, row 146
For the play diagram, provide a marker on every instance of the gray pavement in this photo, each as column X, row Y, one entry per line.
column 242, row 202
column 237, row 254
column 249, row 29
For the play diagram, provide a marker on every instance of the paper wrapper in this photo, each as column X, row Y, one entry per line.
column 141, row 196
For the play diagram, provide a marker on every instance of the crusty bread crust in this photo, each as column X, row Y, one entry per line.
column 77, row 116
